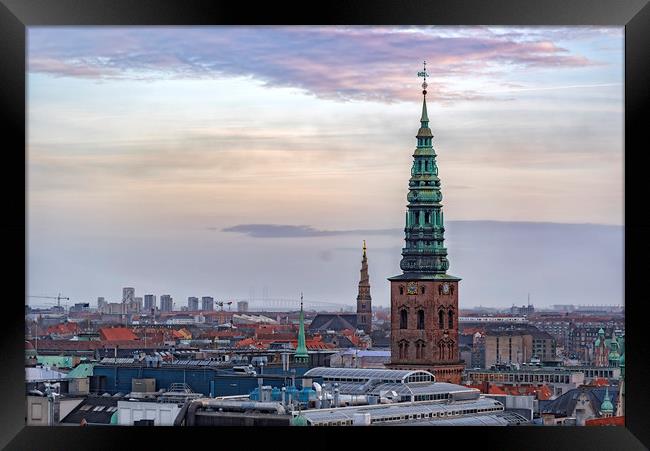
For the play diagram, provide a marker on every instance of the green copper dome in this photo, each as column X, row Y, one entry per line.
column 299, row 420
column 601, row 331
column 621, row 361
column 607, row 406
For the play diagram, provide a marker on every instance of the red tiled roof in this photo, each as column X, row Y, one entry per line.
column 63, row 329
column 246, row 342
column 276, row 336
column 611, row 421
column 599, row 382
column 496, row 390
column 544, row 393
column 116, row 334
column 68, row 345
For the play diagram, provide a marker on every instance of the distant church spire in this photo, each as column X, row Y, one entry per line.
column 301, row 354
column 364, row 301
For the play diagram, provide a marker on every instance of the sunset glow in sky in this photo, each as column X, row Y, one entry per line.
column 145, row 143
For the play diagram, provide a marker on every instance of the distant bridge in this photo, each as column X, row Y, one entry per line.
column 284, row 304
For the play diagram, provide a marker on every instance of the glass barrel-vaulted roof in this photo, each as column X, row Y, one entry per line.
column 364, row 374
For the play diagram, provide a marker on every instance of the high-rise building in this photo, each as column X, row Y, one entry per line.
column 242, row 306
column 192, row 303
column 207, row 303
column 166, row 303
column 101, row 302
column 364, row 301
column 128, row 295
column 149, row 302
column 424, row 298
column 137, row 301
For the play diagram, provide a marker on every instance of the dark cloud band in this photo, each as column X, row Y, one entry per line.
column 298, row 231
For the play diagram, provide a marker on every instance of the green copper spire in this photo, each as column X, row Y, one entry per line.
column 301, row 350
column 424, row 251
column 613, row 356
column 425, row 116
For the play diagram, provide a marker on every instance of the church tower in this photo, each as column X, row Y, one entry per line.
column 364, row 301
column 424, row 298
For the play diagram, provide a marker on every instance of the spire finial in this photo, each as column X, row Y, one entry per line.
column 364, row 248
column 301, row 300
column 425, row 75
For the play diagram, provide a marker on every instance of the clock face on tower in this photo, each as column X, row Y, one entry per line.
column 412, row 288
column 445, row 288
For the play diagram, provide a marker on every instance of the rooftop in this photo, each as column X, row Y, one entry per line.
column 361, row 374
column 406, row 412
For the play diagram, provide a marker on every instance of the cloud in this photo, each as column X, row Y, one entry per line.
column 298, row 231
column 305, row 231
column 341, row 63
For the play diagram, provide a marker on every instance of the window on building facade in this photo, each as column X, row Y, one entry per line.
column 403, row 319
column 441, row 319
column 451, row 319
column 421, row 319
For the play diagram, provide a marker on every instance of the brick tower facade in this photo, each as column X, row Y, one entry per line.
column 424, row 298
column 364, row 301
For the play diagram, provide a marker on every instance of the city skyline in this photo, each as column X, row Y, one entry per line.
column 158, row 163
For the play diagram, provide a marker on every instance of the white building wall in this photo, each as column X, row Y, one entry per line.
column 162, row 414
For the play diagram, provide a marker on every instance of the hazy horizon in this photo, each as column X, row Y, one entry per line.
column 219, row 161
column 500, row 264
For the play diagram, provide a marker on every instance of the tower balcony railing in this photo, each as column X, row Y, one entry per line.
column 442, row 251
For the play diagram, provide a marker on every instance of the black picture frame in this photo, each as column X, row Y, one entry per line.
column 16, row 15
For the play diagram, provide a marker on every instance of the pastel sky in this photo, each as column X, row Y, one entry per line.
column 239, row 161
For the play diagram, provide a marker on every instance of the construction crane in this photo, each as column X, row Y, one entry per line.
column 221, row 304
column 58, row 298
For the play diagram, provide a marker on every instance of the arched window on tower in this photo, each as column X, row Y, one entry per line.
column 421, row 319
column 401, row 288
column 403, row 319
column 419, row 349
column 441, row 319
column 450, row 321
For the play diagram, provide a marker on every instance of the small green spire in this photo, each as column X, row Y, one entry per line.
column 607, row 406
column 301, row 354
